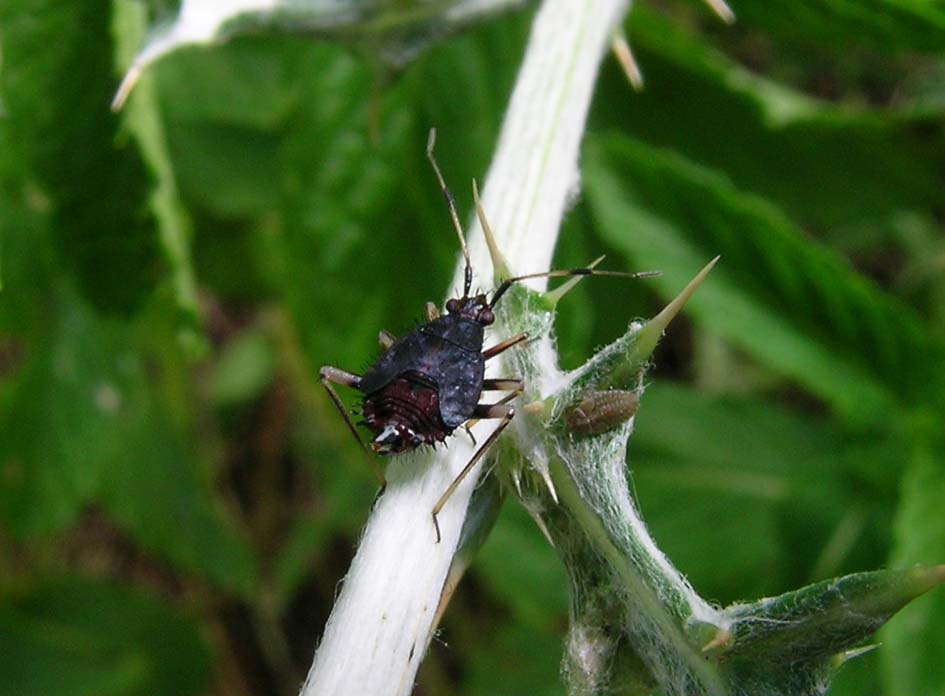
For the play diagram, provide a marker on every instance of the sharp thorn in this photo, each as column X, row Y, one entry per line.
column 544, row 529
column 624, row 56
column 546, row 476
column 847, row 655
column 719, row 640
column 128, row 83
column 722, row 10
column 651, row 332
column 500, row 267
column 517, row 482
column 661, row 320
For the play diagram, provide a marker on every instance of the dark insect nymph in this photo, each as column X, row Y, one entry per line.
column 429, row 382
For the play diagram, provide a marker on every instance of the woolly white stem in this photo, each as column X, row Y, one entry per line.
column 383, row 620
column 534, row 173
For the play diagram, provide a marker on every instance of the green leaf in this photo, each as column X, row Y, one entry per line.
column 822, row 619
column 78, row 638
column 29, row 257
column 736, row 467
column 888, row 25
column 159, row 496
column 244, row 369
column 230, row 172
column 527, row 662
column 858, row 677
column 914, row 644
column 798, row 478
column 251, row 84
column 144, row 123
column 57, row 116
column 535, row 568
column 227, row 112
column 788, row 644
column 827, row 164
column 393, row 32
column 64, row 406
column 348, row 238
column 792, row 304
column 87, row 425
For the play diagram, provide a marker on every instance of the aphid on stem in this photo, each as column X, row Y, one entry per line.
column 600, row 411
column 428, row 382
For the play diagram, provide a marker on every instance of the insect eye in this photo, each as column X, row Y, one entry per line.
column 486, row 317
column 453, row 306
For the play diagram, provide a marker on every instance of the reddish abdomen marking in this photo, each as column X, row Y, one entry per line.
column 409, row 401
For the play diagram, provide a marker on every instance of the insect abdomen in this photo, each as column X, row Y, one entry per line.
column 406, row 411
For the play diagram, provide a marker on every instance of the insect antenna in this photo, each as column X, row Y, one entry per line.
column 509, row 282
column 467, row 281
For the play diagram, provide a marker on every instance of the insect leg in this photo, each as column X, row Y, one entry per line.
column 499, row 265
column 467, row 426
column 504, row 346
column 519, row 385
column 503, row 411
column 328, row 375
column 513, row 385
column 431, row 311
column 385, row 339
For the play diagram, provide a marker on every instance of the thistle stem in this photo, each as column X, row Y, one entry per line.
column 383, row 619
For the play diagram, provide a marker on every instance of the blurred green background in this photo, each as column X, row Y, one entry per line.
column 179, row 501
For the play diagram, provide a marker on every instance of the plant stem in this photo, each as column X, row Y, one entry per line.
column 383, row 619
